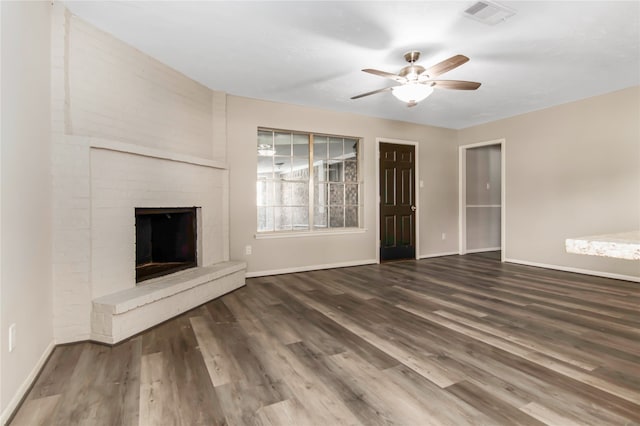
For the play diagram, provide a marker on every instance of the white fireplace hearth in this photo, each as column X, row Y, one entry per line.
column 118, row 316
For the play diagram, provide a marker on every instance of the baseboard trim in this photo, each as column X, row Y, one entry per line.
column 69, row 340
column 310, row 268
column 482, row 250
column 446, row 253
column 22, row 391
column 576, row 270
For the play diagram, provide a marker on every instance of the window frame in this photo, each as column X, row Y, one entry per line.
column 313, row 182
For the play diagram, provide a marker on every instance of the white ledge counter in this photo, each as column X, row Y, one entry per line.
column 625, row 245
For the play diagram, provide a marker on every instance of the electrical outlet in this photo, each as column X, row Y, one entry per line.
column 247, row 250
column 421, row 184
column 12, row 337
column 444, row 236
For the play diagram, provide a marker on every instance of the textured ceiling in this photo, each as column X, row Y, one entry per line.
column 311, row 53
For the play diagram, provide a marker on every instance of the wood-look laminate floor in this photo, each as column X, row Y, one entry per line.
column 454, row 340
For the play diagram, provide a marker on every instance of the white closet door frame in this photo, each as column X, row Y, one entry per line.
column 462, row 191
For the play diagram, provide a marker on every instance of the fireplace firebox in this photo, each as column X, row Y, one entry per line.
column 165, row 241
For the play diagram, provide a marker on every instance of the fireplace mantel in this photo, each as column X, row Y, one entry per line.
column 128, row 148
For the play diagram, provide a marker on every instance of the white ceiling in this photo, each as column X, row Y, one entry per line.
column 311, row 53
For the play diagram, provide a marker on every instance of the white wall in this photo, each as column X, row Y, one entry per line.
column 437, row 168
column 572, row 170
column 25, row 280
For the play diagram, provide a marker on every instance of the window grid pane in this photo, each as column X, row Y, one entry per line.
column 351, row 216
column 336, row 147
column 336, row 216
column 350, row 171
column 351, row 195
column 320, row 217
column 300, row 145
column 283, row 143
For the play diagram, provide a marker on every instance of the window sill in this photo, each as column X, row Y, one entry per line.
column 304, row 234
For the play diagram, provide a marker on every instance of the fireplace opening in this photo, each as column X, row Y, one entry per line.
column 165, row 241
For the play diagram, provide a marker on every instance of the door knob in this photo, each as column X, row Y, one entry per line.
column 413, row 208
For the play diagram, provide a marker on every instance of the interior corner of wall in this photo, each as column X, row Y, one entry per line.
column 219, row 125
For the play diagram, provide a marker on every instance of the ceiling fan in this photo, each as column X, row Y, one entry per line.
column 417, row 82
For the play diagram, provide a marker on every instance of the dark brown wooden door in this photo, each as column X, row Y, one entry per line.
column 397, row 202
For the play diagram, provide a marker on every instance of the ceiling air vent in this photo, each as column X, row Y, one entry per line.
column 488, row 12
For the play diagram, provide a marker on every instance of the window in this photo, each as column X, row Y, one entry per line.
column 307, row 182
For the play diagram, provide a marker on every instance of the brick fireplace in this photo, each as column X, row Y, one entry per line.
column 130, row 133
column 132, row 192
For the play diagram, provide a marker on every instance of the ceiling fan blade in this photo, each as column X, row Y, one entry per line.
column 446, row 65
column 454, row 84
column 386, row 89
column 386, row 75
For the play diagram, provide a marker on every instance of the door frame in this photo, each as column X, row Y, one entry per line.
column 415, row 189
column 462, row 191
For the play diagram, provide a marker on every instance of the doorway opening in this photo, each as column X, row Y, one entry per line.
column 397, row 209
column 482, row 197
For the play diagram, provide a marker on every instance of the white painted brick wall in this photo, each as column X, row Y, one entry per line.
column 219, row 123
column 71, row 238
column 118, row 93
column 105, row 91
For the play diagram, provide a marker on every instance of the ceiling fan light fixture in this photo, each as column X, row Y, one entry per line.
column 417, row 82
column 412, row 93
